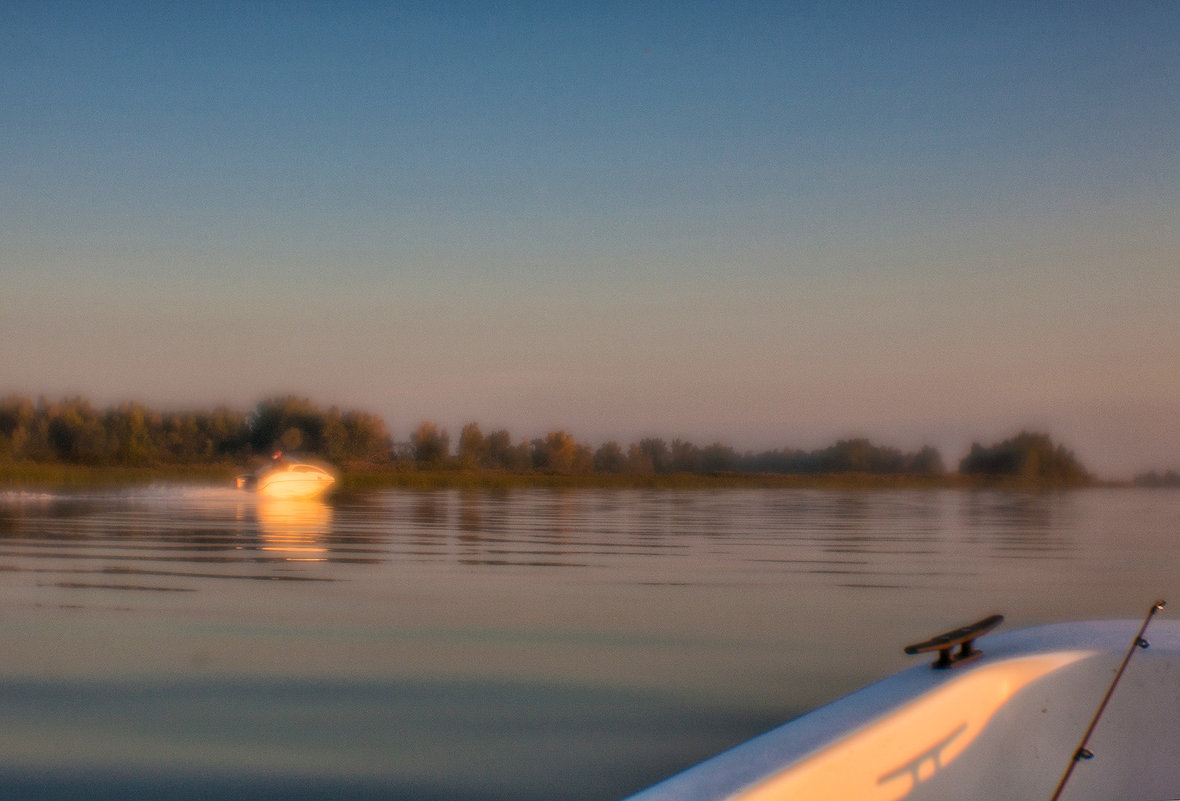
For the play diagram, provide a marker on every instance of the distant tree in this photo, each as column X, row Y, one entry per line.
column 860, row 456
column 185, row 440
column 609, row 458
column 583, row 461
column 927, row 461
column 1156, row 479
column 1030, row 456
column 845, row 456
column 560, row 453
column 783, row 461
column 355, row 436
column 685, row 457
column 77, row 434
column 431, row 444
column 521, row 455
column 719, row 458
column 473, row 447
column 227, row 429
column 36, row 446
column 294, row 423
column 275, row 422
column 538, row 455
column 500, row 452
column 402, row 452
column 639, row 460
column 136, row 435
column 292, row 439
column 650, row 455
column 17, row 416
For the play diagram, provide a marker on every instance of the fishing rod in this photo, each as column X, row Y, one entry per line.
column 1082, row 752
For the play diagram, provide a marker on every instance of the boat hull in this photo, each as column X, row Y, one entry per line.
column 297, row 481
column 1002, row 727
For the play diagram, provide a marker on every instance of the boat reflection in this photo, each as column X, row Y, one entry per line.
column 295, row 528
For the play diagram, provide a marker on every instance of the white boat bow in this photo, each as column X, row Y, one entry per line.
column 1006, row 725
column 289, row 480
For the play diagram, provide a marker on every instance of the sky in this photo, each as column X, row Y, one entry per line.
column 764, row 224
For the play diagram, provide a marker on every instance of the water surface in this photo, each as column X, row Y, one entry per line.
column 195, row 642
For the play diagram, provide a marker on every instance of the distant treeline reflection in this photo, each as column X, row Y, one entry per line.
column 73, row 431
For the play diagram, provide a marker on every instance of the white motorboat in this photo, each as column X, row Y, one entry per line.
column 1005, row 725
column 288, row 479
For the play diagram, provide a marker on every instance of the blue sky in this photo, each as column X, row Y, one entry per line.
column 765, row 224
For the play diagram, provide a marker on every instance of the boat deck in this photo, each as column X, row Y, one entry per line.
column 1002, row 726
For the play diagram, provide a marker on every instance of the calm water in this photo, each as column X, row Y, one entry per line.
column 191, row 642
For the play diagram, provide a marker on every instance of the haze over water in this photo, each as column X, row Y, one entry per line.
column 505, row 645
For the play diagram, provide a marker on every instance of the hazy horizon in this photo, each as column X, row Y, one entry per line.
column 760, row 224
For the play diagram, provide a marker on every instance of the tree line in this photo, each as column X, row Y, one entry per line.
column 1155, row 478
column 74, row 431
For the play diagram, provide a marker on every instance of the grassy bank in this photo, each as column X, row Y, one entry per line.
column 33, row 476
column 491, row 479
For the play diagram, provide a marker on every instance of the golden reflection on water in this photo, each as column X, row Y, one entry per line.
column 295, row 529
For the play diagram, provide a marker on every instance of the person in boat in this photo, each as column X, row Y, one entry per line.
column 277, row 462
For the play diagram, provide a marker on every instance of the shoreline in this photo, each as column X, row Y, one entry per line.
column 44, row 476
